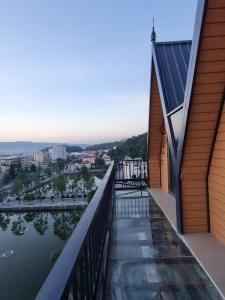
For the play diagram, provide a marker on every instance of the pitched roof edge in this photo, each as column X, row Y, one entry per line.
column 173, row 42
column 191, row 73
column 200, row 15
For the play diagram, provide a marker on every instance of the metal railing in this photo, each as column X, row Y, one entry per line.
column 79, row 271
column 130, row 174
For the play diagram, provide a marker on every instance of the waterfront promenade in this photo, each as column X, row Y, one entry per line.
column 43, row 205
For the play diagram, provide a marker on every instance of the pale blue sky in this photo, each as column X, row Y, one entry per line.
column 77, row 70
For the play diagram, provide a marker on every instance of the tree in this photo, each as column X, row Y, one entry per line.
column 41, row 223
column 89, row 184
column 17, row 186
column 73, row 183
column 59, row 184
column 12, row 172
column 99, row 162
column 33, row 168
column 60, row 164
column 4, row 221
column 29, row 197
column 63, row 227
column 37, row 183
column 86, row 181
column 19, row 226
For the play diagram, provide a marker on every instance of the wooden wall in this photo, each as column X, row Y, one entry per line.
column 154, row 135
column 164, row 162
column 217, row 184
column 206, row 99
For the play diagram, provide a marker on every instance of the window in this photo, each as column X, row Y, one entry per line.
column 176, row 123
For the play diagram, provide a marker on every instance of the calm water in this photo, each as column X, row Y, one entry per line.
column 37, row 239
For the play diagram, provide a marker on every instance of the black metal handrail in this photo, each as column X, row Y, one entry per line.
column 131, row 174
column 79, row 270
column 132, row 169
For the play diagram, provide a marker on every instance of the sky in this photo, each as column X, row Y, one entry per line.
column 78, row 71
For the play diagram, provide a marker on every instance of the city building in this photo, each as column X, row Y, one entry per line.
column 58, row 151
column 8, row 160
column 71, row 168
column 3, row 171
column 41, row 156
column 27, row 161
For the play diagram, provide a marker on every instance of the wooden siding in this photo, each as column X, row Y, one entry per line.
column 154, row 134
column 164, row 162
column 217, row 184
column 206, row 100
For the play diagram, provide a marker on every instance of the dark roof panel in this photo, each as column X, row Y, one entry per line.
column 172, row 61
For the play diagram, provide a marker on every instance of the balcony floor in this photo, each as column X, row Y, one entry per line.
column 147, row 260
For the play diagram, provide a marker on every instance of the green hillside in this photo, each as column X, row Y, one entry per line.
column 135, row 146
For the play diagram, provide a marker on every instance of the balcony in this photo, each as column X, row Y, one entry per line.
column 125, row 248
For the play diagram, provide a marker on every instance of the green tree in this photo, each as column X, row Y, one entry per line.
column 4, row 221
column 86, row 181
column 59, row 184
column 29, row 197
column 60, row 164
column 12, row 172
column 41, row 223
column 37, row 183
column 19, row 226
column 63, row 227
column 73, row 183
column 99, row 162
column 33, row 168
column 17, row 186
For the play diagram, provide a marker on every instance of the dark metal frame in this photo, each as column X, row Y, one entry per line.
column 79, row 271
column 149, row 110
column 135, row 175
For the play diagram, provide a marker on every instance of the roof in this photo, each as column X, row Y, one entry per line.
column 172, row 62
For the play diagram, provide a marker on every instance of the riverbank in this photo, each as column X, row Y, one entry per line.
column 44, row 205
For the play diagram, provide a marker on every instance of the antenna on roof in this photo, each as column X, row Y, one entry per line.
column 153, row 34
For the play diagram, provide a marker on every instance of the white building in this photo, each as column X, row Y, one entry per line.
column 27, row 161
column 8, row 160
column 57, row 151
column 41, row 156
column 3, row 171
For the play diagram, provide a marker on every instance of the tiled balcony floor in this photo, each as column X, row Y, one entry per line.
column 147, row 260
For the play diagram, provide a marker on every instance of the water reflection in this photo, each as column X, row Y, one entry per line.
column 63, row 225
column 30, row 244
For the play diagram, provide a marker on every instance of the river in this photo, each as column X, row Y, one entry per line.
column 29, row 245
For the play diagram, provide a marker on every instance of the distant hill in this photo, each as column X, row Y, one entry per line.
column 71, row 149
column 103, row 146
column 23, row 147
column 135, row 146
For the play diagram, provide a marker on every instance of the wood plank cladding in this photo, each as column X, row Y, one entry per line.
column 217, row 184
column 207, row 92
column 164, row 162
column 154, row 135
